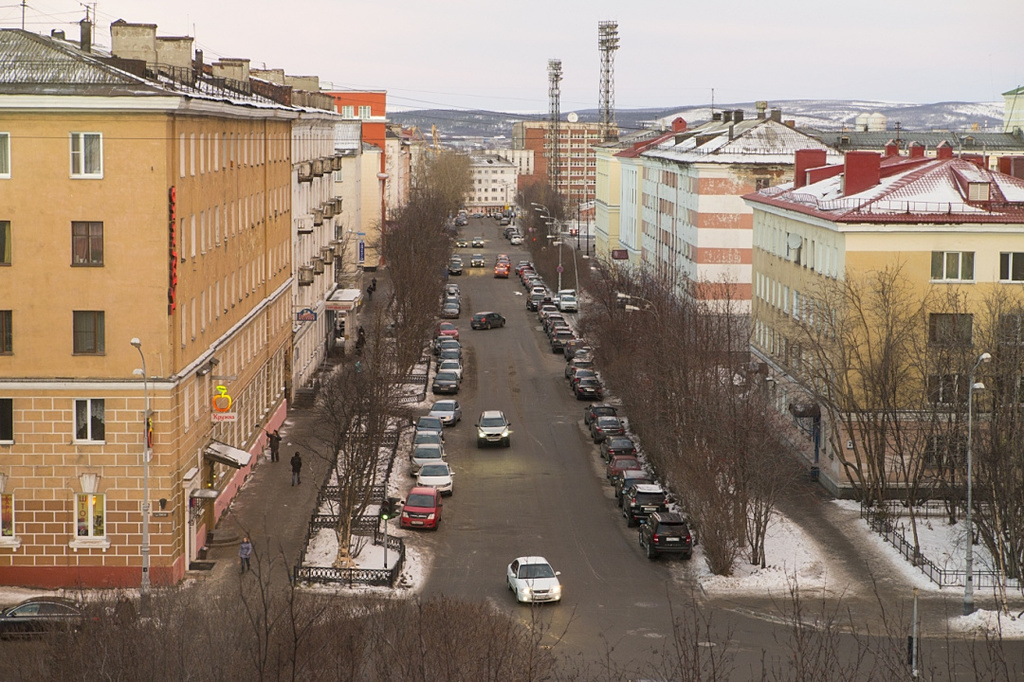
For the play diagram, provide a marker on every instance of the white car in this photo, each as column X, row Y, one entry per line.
column 451, row 366
column 437, row 476
column 493, row 428
column 567, row 303
column 516, row 240
column 425, row 453
column 448, row 411
column 532, row 579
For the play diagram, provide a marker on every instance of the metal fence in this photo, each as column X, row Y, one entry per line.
column 881, row 521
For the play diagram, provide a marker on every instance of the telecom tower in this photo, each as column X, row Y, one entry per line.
column 554, row 106
column 608, row 43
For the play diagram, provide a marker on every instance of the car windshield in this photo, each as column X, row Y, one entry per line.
column 620, row 443
column 672, row 527
column 626, row 463
column 649, row 498
column 450, row 354
column 427, row 437
column 428, row 424
column 434, row 470
column 492, row 421
column 608, row 422
column 450, row 365
column 427, row 451
column 604, row 411
column 530, row 571
column 420, row 501
column 446, row 376
column 444, row 406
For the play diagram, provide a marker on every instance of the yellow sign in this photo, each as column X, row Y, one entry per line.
column 222, row 401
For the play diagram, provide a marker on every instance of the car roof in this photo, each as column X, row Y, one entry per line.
column 491, row 413
column 422, row 490
column 450, row 403
column 607, row 418
column 532, row 560
column 671, row 517
column 649, row 488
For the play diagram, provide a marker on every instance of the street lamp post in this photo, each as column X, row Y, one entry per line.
column 146, row 454
column 969, row 559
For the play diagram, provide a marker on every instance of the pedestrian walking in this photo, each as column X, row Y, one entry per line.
column 373, row 284
column 244, row 552
column 296, row 468
column 369, row 294
column 275, row 445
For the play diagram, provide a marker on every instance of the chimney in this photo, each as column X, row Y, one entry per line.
column 776, row 115
column 86, row 35
column 916, row 150
column 892, row 148
column 862, row 171
column 738, row 116
column 791, row 123
column 57, row 33
column 678, row 124
column 944, row 150
column 806, row 158
column 716, row 116
column 726, row 117
column 197, row 64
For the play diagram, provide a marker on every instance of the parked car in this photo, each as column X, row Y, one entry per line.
column 641, row 500
column 617, row 445
column 590, row 412
column 455, row 267
column 477, row 259
column 602, row 427
column 452, row 290
column 576, row 347
column 438, row 476
column 627, row 478
column 580, row 374
column 451, row 311
column 487, row 320
column 448, row 411
column 532, row 579
column 522, row 265
column 666, row 533
column 450, row 366
column 422, row 508
column 492, row 427
column 425, row 453
column 516, row 239
column 430, row 424
column 445, row 382
column 568, row 303
column 589, row 388
column 559, row 338
column 41, row 615
column 619, row 463
column 450, row 353
column 448, row 329
column 577, row 363
column 421, row 437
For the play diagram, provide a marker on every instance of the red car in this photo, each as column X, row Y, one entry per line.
column 620, row 463
column 501, row 270
column 422, row 508
column 448, row 329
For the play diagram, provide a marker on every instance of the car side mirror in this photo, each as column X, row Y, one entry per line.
column 558, row 573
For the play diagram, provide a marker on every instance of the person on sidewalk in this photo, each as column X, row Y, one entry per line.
column 275, row 445
column 244, row 552
column 296, row 468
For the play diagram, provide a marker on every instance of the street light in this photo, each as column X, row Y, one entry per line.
column 146, row 453
column 969, row 563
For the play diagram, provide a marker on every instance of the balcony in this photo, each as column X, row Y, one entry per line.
column 306, row 275
column 305, row 172
column 318, row 168
column 318, row 265
column 327, row 254
column 318, row 216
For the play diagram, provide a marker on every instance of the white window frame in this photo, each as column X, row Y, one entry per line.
column 5, row 155
column 945, row 275
column 365, row 111
column 1010, row 257
column 11, row 541
column 93, row 502
column 89, row 411
column 78, row 159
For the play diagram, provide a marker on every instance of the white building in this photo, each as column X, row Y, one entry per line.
column 494, row 184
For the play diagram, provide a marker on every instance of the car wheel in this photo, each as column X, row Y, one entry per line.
column 502, row 323
column 650, row 552
column 630, row 521
column 479, row 442
column 686, row 557
column 507, row 442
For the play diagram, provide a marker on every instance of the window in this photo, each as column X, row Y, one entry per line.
column 6, row 332
column 7, row 420
column 5, row 155
column 6, row 515
column 88, row 332
column 90, row 419
column 90, row 510
column 943, row 450
column 944, row 388
column 364, row 112
column 1011, row 329
column 762, row 183
column 952, row 265
column 86, row 243
column 1011, row 267
column 86, row 155
column 5, row 242
column 950, row 329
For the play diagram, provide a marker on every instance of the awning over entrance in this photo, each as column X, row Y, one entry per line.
column 344, row 299
column 225, row 454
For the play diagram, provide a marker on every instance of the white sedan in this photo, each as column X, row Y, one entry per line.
column 438, row 476
column 448, row 411
column 450, row 366
column 532, row 579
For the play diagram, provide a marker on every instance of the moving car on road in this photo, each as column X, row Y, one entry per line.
column 487, row 320
column 532, row 579
column 477, row 260
column 492, row 428
column 478, row 242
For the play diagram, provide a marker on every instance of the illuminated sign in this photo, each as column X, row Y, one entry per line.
column 620, row 254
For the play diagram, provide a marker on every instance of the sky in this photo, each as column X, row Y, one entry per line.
column 482, row 54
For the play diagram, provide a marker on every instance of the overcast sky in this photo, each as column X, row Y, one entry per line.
column 493, row 55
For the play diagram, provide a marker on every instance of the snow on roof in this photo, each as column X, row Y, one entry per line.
column 749, row 141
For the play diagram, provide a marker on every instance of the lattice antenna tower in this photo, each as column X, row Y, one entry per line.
column 554, row 113
column 608, row 43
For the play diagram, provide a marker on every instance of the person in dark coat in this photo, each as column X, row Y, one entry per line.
column 296, row 468
column 275, row 445
column 244, row 552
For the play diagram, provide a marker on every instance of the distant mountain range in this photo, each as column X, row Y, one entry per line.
column 493, row 127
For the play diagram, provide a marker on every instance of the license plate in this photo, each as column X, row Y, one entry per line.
column 417, row 523
column 650, row 509
column 671, row 539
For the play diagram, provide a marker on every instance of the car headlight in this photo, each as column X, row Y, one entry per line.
column 527, row 591
column 557, row 589
column 430, row 517
column 504, row 433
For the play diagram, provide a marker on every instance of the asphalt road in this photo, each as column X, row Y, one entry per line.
column 546, row 494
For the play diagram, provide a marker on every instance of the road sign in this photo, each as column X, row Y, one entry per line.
column 560, row 269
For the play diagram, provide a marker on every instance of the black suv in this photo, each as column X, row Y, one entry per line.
column 666, row 533
column 617, row 445
column 640, row 500
column 487, row 321
column 598, row 410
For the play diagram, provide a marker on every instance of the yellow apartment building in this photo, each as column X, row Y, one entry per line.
column 946, row 221
column 143, row 196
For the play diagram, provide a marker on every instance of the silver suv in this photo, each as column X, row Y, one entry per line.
column 492, row 427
